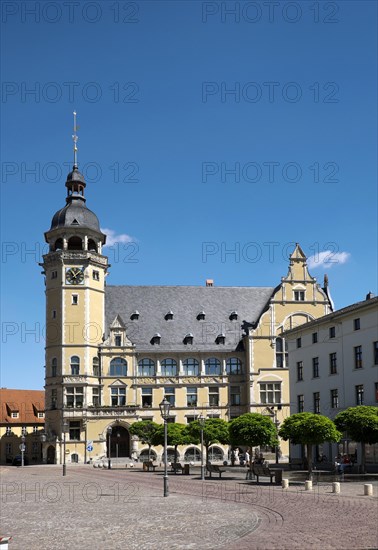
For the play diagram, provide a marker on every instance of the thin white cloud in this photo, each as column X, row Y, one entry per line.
column 112, row 237
column 327, row 259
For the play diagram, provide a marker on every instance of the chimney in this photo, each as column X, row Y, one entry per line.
column 209, row 282
column 369, row 296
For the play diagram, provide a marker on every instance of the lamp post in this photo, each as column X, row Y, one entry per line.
column 118, row 438
column 22, row 448
column 65, row 428
column 164, row 411
column 276, row 423
column 109, row 430
column 201, row 421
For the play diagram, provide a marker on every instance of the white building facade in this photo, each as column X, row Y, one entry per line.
column 333, row 365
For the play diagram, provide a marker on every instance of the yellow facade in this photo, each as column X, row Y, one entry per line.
column 99, row 375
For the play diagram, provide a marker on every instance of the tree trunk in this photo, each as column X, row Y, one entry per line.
column 363, row 457
column 149, row 453
column 207, row 452
column 309, row 460
column 176, row 454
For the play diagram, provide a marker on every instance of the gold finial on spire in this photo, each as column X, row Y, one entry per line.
column 75, row 138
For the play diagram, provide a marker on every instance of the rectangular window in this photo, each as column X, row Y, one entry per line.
column 118, row 397
column 8, row 430
column 169, row 394
column 316, row 402
column 96, row 275
column 358, row 357
column 14, row 415
column 300, row 401
column 333, row 363
column 95, row 397
column 299, row 295
column 314, row 337
column 171, row 419
column 332, row 332
column 191, row 397
column 74, row 430
column 75, row 299
column 235, row 396
column 334, row 399
column 270, row 392
column 299, row 370
column 54, row 398
column 375, row 349
column 54, row 274
column 75, row 397
column 146, row 397
column 360, row 395
column 213, row 396
column 213, row 416
column 35, row 429
column 315, row 367
column 41, row 415
column 53, row 314
column 299, row 342
column 118, row 341
column 356, row 324
column 190, row 419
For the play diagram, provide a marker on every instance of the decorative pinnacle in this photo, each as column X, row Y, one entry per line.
column 75, row 138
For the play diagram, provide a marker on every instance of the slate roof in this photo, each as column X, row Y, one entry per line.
column 186, row 302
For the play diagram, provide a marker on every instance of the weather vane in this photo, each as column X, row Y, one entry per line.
column 75, row 138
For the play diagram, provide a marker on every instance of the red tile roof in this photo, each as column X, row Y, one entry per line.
column 26, row 402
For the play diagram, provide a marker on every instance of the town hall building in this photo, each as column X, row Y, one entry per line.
column 114, row 352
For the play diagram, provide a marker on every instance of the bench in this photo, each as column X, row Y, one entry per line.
column 212, row 469
column 296, row 462
column 177, row 467
column 147, row 466
column 263, row 471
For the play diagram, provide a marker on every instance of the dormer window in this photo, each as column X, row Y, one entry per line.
column 155, row 340
column 221, row 339
column 169, row 316
column 233, row 316
column 134, row 316
column 188, row 339
column 118, row 340
column 299, row 295
column 201, row 316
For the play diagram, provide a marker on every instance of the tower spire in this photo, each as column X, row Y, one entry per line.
column 75, row 138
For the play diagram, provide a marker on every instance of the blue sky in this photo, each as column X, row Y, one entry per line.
column 212, row 135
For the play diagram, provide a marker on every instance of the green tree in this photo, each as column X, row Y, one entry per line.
column 145, row 430
column 309, row 429
column 215, row 430
column 253, row 430
column 361, row 423
column 177, row 434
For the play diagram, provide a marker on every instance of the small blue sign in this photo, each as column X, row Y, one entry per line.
column 90, row 448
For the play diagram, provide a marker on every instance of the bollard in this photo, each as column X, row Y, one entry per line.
column 285, row 483
column 335, row 487
column 368, row 489
column 308, row 485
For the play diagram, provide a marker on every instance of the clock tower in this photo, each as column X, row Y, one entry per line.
column 75, row 271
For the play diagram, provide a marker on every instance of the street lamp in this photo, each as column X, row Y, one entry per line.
column 201, row 421
column 109, row 430
column 164, row 411
column 118, row 438
column 65, row 429
column 22, row 448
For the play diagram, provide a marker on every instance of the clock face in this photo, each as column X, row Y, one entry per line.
column 74, row 276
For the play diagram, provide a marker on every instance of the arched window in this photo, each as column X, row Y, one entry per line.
column 118, row 367
column 233, row 365
column 215, row 454
column 146, row 367
column 282, row 356
column 75, row 458
column 58, row 244
column 143, row 455
column 212, row 366
column 169, row 367
column 96, row 366
column 54, row 365
column 75, row 243
column 92, row 245
column 192, row 455
column 75, row 365
column 191, row 367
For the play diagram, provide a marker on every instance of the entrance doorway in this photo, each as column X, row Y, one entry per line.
column 51, row 455
column 119, row 442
